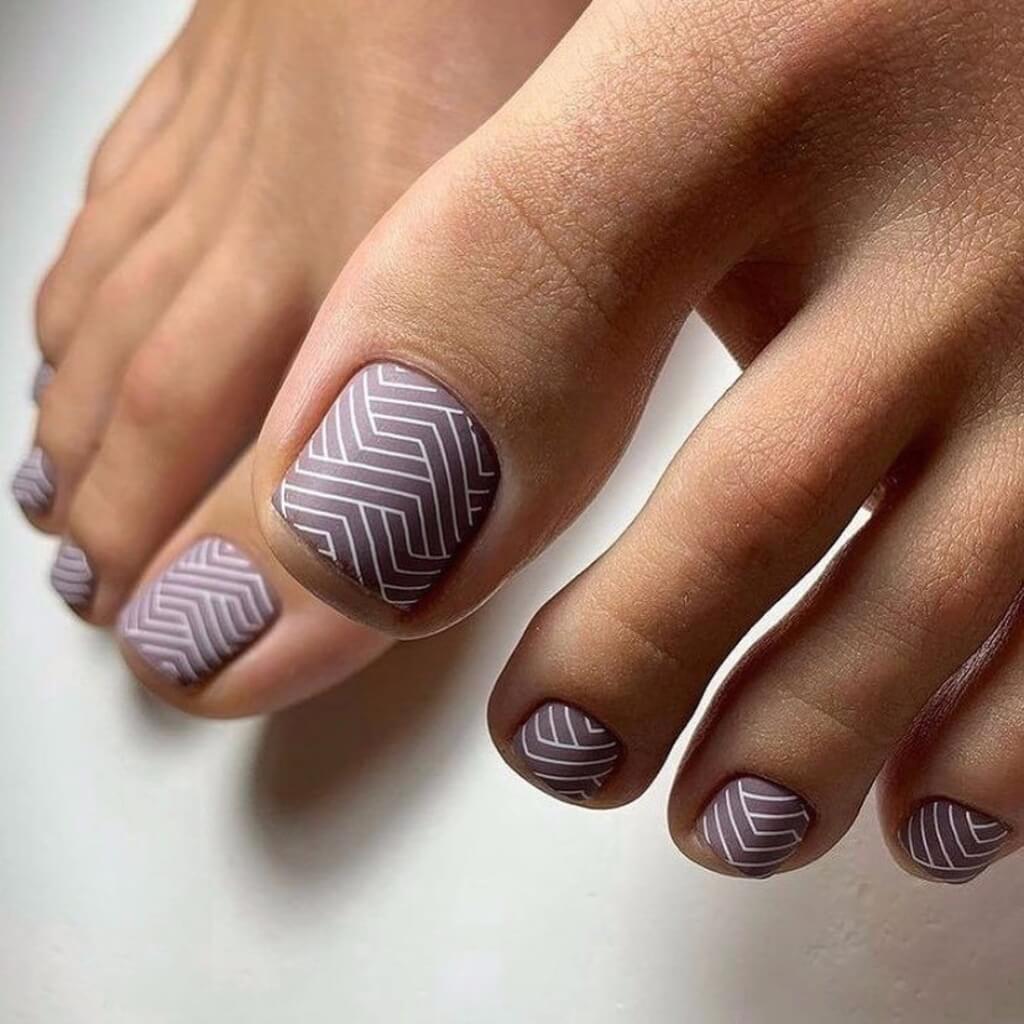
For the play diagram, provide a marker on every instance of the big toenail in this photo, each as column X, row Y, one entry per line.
column 950, row 842
column 567, row 750
column 754, row 825
column 206, row 608
column 33, row 485
column 72, row 575
column 394, row 482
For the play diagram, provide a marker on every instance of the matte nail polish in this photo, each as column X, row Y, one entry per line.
column 72, row 576
column 395, row 481
column 202, row 611
column 567, row 750
column 41, row 381
column 754, row 825
column 33, row 485
column 952, row 843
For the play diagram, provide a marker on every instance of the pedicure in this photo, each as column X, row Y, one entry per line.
column 33, row 485
column 203, row 610
column 754, row 825
column 394, row 482
column 72, row 576
column 569, row 752
column 42, row 380
column 950, row 842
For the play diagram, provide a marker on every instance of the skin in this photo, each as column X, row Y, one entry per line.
column 838, row 187
column 220, row 206
column 187, row 281
column 835, row 186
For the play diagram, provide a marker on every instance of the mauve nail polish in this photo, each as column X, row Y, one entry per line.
column 41, row 381
column 33, row 485
column 202, row 611
column 952, row 843
column 394, row 482
column 754, row 825
column 568, row 751
column 72, row 576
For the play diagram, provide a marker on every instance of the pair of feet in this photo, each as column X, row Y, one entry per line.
column 477, row 368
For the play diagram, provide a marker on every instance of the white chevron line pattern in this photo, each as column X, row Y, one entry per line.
column 205, row 609
column 395, row 480
column 570, row 752
column 951, row 842
column 33, row 486
column 754, row 825
column 72, row 576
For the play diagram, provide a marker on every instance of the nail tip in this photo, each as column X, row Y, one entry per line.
column 393, row 484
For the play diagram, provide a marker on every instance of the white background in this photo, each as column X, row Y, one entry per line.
column 369, row 858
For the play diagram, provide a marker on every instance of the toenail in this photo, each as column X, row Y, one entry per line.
column 567, row 750
column 754, row 825
column 396, row 480
column 42, row 379
column 72, row 576
column 950, row 842
column 33, row 485
column 206, row 608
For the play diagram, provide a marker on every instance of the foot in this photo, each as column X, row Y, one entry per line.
column 219, row 209
column 479, row 366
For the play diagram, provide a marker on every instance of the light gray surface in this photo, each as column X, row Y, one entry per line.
column 369, row 858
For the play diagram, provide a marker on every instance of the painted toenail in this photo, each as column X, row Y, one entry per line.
column 569, row 752
column 206, row 608
column 33, row 485
column 397, row 478
column 950, row 842
column 72, row 576
column 754, row 825
column 42, row 379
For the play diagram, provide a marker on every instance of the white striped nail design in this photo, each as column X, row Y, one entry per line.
column 33, row 485
column 397, row 478
column 72, row 576
column 952, row 843
column 202, row 611
column 754, row 825
column 571, row 753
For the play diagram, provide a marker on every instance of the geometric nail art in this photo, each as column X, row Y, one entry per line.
column 72, row 576
column 952, row 843
column 203, row 610
column 567, row 750
column 33, row 485
column 42, row 379
column 754, row 825
column 395, row 480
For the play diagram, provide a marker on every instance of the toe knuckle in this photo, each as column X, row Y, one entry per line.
column 559, row 258
column 763, row 503
column 148, row 398
column 87, row 227
column 95, row 523
column 54, row 315
column 100, row 174
column 119, row 289
column 635, row 633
